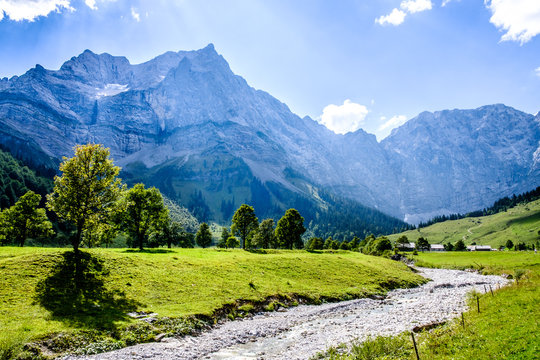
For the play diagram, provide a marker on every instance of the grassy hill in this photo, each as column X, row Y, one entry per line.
column 41, row 293
column 519, row 224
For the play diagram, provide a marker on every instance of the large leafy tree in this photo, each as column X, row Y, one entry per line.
column 422, row 244
column 203, row 236
column 141, row 211
column 289, row 230
column 244, row 222
column 402, row 242
column 87, row 190
column 265, row 236
column 24, row 220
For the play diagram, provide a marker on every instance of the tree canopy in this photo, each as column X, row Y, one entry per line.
column 87, row 190
column 289, row 230
column 24, row 220
column 244, row 222
column 265, row 236
column 141, row 211
column 203, row 236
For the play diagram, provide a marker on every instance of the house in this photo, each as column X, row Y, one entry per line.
column 436, row 247
column 479, row 248
column 407, row 247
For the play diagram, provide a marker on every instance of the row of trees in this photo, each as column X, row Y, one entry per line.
column 89, row 197
column 92, row 200
column 245, row 224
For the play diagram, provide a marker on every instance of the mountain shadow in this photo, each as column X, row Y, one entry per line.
column 75, row 292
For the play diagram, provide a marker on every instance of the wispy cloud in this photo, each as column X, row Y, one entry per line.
column 397, row 16
column 135, row 14
column 518, row 19
column 344, row 118
column 537, row 71
column 19, row 10
column 91, row 4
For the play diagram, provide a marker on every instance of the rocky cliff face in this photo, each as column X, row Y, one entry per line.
column 185, row 122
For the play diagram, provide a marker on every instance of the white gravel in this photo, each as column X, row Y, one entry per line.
column 302, row 331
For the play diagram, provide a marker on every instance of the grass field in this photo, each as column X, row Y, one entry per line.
column 519, row 224
column 507, row 327
column 37, row 283
column 492, row 262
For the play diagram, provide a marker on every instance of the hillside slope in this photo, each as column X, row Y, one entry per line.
column 519, row 224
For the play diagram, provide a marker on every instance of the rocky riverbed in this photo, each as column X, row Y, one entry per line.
column 302, row 331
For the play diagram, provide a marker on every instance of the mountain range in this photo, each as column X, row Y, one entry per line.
column 187, row 124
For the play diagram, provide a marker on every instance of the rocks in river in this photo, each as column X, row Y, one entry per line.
column 302, row 331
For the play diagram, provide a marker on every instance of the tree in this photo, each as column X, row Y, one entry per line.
column 244, row 222
column 289, row 230
column 448, row 246
column 24, row 220
column 509, row 244
column 402, row 242
column 344, row 246
column 328, row 243
column 315, row 243
column 203, row 236
column 232, row 242
column 141, row 211
column 222, row 243
column 187, row 240
column 265, row 237
column 170, row 233
column 460, row 246
column 87, row 190
column 422, row 244
column 355, row 242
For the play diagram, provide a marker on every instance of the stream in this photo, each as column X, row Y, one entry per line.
column 301, row 332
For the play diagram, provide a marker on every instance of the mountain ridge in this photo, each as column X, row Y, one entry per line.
column 188, row 107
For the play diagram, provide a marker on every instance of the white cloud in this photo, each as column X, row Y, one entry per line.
column 19, row 10
column 91, row 4
column 414, row 6
column 393, row 122
column 135, row 14
column 519, row 19
column 446, row 2
column 395, row 18
column 344, row 118
column 537, row 71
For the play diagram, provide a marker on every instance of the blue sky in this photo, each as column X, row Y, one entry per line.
column 368, row 64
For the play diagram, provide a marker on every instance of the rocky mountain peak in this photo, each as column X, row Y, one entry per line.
column 184, row 120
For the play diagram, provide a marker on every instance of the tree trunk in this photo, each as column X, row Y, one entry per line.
column 77, row 240
column 140, row 239
column 169, row 244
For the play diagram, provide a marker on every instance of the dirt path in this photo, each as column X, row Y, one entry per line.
column 301, row 332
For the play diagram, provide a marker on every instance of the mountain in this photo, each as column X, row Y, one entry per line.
column 187, row 124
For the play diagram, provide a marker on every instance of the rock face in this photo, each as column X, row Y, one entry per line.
column 185, row 123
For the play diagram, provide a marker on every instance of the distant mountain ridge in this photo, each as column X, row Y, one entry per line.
column 187, row 124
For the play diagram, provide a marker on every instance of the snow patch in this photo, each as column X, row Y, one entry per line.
column 111, row 90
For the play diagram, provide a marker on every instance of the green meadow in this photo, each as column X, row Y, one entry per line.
column 37, row 286
column 519, row 224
